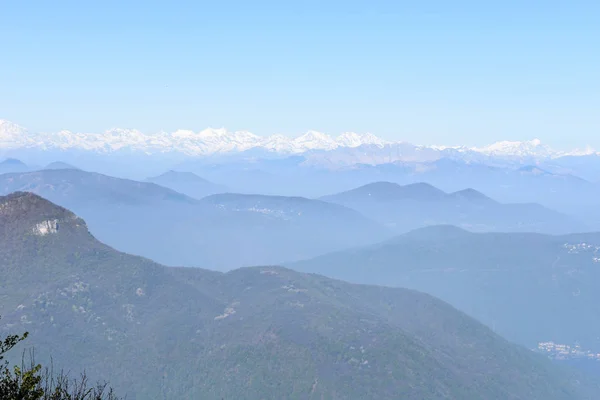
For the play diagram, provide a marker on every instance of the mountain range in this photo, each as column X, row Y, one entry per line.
column 528, row 287
column 196, row 223
column 296, row 175
column 218, row 232
column 316, row 165
column 211, row 141
column 404, row 208
column 291, row 176
column 255, row 333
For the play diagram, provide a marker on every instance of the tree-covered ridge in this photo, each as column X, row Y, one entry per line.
column 529, row 287
column 265, row 332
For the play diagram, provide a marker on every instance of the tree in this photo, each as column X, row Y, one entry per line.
column 31, row 381
column 9, row 342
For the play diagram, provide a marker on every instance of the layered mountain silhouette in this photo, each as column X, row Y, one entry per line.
column 12, row 165
column 529, row 287
column 412, row 206
column 292, row 209
column 253, row 333
column 506, row 182
column 76, row 188
column 59, row 165
column 188, row 183
column 153, row 221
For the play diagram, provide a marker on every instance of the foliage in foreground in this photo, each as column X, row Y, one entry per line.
column 31, row 381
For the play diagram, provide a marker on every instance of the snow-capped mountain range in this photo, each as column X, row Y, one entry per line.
column 216, row 141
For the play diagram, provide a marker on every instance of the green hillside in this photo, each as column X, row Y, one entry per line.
column 529, row 287
column 254, row 333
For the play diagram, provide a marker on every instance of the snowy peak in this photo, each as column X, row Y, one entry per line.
column 521, row 149
column 351, row 139
column 220, row 140
column 212, row 133
column 12, row 135
column 313, row 140
column 8, row 128
column 535, row 142
column 205, row 142
column 587, row 151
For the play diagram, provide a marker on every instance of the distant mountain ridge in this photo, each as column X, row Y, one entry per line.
column 74, row 187
column 219, row 232
column 12, row 165
column 59, row 165
column 388, row 191
column 529, row 287
column 253, row 333
column 285, row 207
column 188, row 183
column 211, row 141
column 416, row 205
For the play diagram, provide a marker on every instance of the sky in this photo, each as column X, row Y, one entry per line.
column 428, row 72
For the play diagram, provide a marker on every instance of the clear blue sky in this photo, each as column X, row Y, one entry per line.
column 445, row 72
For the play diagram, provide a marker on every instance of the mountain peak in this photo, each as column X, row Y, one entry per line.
column 529, row 148
column 25, row 212
column 435, row 232
column 380, row 185
column 352, row 139
column 389, row 191
column 472, row 195
column 587, row 151
column 60, row 165
column 312, row 134
column 213, row 132
column 13, row 162
column 12, row 165
column 314, row 140
column 27, row 202
column 421, row 186
column 7, row 128
column 535, row 142
column 534, row 170
column 187, row 183
column 178, row 176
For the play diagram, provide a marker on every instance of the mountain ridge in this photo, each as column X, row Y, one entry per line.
column 12, row 165
column 211, row 141
column 406, row 207
column 175, row 229
column 188, row 183
column 60, row 165
column 530, row 287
